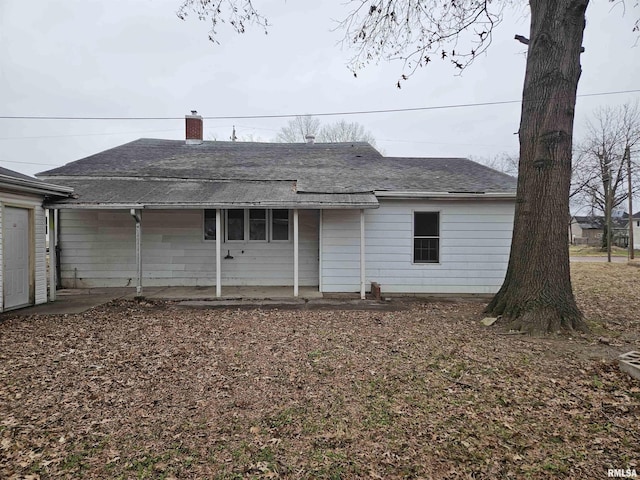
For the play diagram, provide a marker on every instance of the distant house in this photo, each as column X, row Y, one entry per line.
column 335, row 217
column 635, row 220
column 586, row 230
column 589, row 230
column 23, row 279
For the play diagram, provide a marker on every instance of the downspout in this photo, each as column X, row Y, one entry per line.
column 295, row 253
column 362, row 257
column 136, row 216
column 53, row 257
column 58, row 248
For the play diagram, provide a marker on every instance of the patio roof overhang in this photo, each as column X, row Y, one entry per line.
column 163, row 193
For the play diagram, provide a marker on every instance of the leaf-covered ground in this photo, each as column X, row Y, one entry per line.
column 154, row 390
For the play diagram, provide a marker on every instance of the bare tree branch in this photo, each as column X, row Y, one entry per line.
column 239, row 14
column 418, row 32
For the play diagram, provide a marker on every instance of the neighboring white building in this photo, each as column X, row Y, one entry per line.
column 332, row 216
column 23, row 272
column 635, row 219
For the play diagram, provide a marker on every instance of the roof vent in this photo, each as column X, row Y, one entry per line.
column 311, row 139
column 193, row 128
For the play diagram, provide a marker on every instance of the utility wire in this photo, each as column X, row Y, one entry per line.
column 24, row 163
column 321, row 114
column 102, row 134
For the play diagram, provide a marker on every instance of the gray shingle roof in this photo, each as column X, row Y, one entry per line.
column 597, row 222
column 168, row 193
column 322, row 168
column 11, row 173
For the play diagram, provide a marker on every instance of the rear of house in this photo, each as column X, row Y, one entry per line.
column 334, row 217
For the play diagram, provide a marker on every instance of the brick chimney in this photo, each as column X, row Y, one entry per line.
column 193, row 128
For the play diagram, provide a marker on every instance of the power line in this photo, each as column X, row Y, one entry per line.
column 86, row 134
column 318, row 114
column 25, row 163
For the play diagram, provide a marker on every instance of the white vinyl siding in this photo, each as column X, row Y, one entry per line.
column 341, row 251
column 1, row 259
column 475, row 239
column 98, row 249
column 40, row 255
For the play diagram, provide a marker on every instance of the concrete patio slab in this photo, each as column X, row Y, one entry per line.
column 228, row 293
column 74, row 301
column 301, row 304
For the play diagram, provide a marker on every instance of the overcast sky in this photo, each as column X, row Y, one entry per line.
column 135, row 58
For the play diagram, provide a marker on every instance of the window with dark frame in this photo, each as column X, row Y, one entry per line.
column 235, row 224
column 209, row 224
column 426, row 237
column 257, row 224
column 280, row 225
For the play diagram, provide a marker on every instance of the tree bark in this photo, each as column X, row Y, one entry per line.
column 536, row 296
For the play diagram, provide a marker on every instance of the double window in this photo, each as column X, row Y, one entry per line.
column 249, row 224
column 426, row 237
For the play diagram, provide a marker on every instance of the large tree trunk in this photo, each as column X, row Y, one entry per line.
column 536, row 296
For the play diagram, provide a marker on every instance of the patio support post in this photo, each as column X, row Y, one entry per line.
column 53, row 241
column 362, row 259
column 218, row 261
column 136, row 216
column 295, row 252
column 320, row 246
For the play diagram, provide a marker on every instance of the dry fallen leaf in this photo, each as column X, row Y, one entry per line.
column 423, row 391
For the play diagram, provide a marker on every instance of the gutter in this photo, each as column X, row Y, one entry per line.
column 34, row 186
column 446, row 195
column 165, row 206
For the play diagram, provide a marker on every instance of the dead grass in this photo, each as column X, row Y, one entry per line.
column 591, row 251
column 158, row 391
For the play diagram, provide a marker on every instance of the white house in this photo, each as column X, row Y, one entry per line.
column 635, row 219
column 333, row 216
column 23, row 272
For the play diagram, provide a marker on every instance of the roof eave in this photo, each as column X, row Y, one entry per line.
column 34, row 186
column 409, row 195
column 169, row 206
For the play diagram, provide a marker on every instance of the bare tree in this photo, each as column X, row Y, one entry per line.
column 601, row 169
column 343, row 131
column 536, row 295
column 297, row 129
column 601, row 159
column 503, row 162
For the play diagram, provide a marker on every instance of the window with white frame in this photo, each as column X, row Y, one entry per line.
column 426, row 237
column 250, row 224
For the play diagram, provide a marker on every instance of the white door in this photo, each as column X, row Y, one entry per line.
column 16, row 257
